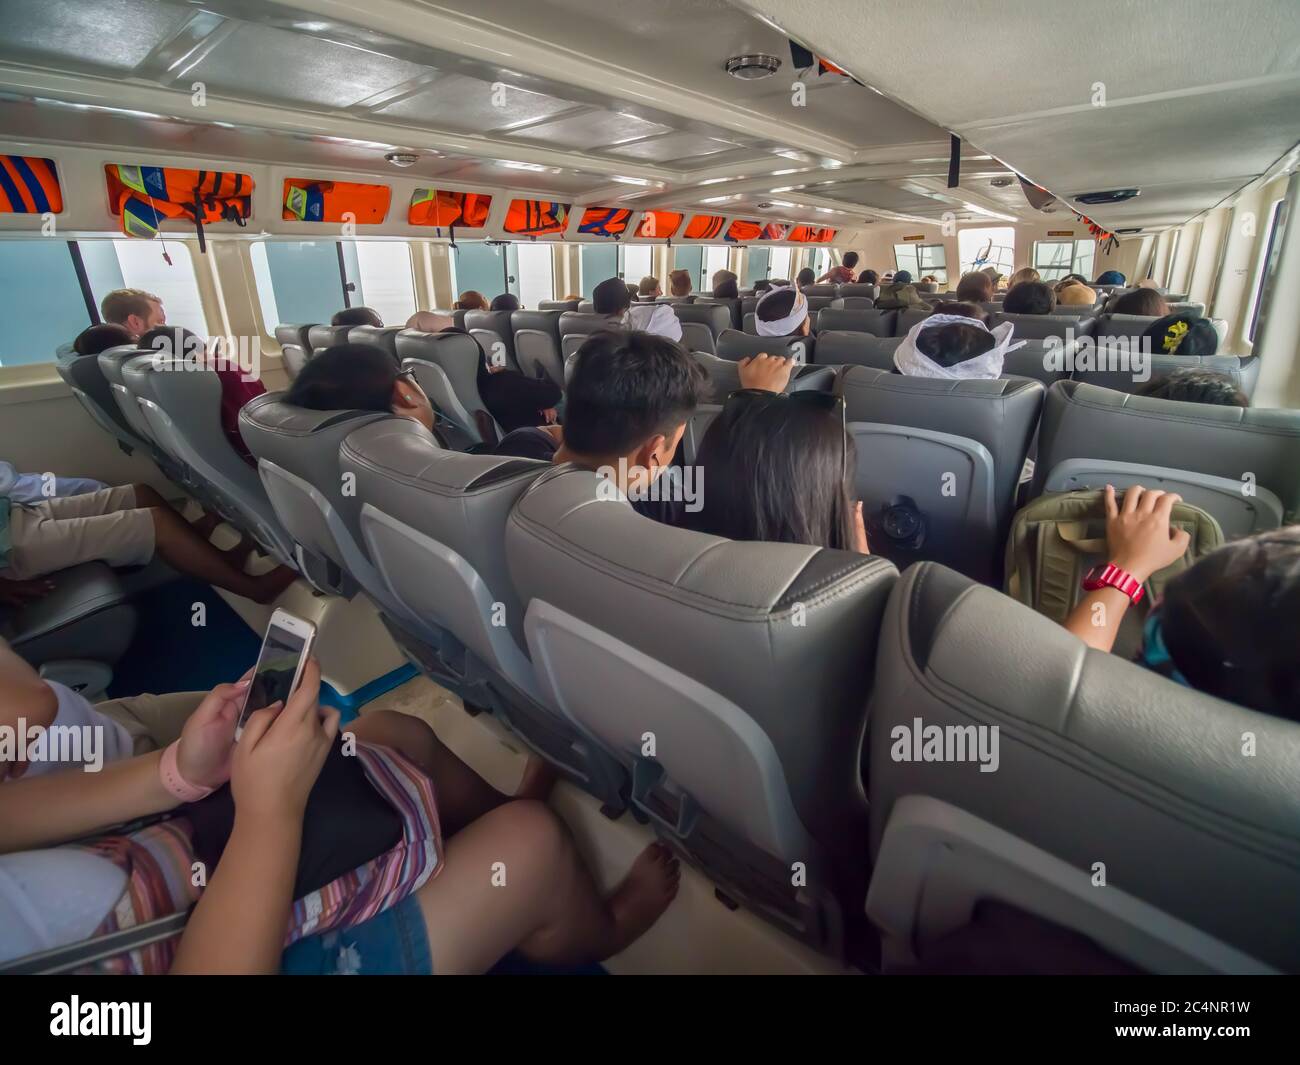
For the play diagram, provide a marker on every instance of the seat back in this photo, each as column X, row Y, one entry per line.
column 855, row 289
column 1199, row 847
column 877, row 323
column 294, row 358
column 828, row 291
column 839, row 348
column 297, row 453
column 755, row 719
column 724, row 376
column 909, row 317
column 111, row 363
column 496, row 335
column 447, row 365
column 326, row 336
column 699, row 319
column 734, row 307
column 182, row 406
column 852, row 303
column 1237, row 464
column 294, row 334
column 1106, row 370
column 584, row 323
column 537, row 344
column 954, row 449
column 558, row 305
column 85, row 376
column 735, row 346
column 384, row 338
column 1042, row 326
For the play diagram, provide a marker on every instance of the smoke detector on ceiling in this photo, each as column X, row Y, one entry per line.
column 764, row 206
column 752, row 67
column 1000, row 182
column 402, row 158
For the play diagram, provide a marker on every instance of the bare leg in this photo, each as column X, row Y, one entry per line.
column 514, row 879
column 187, row 551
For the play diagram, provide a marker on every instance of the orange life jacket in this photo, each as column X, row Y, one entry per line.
column 146, row 195
column 331, row 201
column 703, row 227
column 29, row 185
column 659, row 224
column 811, row 235
column 604, row 221
column 774, row 231
column 536, row 217
column 742, row 231
column 433, row 207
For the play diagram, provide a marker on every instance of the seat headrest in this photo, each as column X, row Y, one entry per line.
column 383, row 337
column 544, row 321
column 558, row 305
column 856, row 349
column 820, row 290
column 877, row 323
column 717, row 318
column 413, row 344
column 585, row 322
column 326, row 336
column 735, row 345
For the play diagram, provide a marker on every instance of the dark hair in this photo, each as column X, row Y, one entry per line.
column 346, row 377
column 173, row 340
column 357, row 316
column 965, row 310
column 1145, row 301
column 1075, row 277
column 777, row 306
column 1196, row 386
column 625, row 388
column 762, row 285
column 611, row 297
column 975, row 287
column 97, row 338
column 1182, row 334
column 903, row 277
column 775, row 472
column 850, row 259
column 1030, row 297
column 507, row 301
column 806, row 276
column 1110, row 277
column 868, row 277
column 727, row 290
column 1231, row 622
column 954, row 343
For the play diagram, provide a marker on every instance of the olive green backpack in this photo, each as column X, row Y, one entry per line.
column 1058, row 537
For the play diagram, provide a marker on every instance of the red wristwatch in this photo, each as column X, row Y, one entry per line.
column 1111, row 576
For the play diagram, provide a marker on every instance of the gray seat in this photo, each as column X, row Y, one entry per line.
column 700, row 318
column 819, row 303
column 747, row 306
column 434, row 522
column 446, row 365
column 582, row 322
column 839, row 348
column 326, row 336
column 734, row 307
column 741, row 726
column 1238, row 464
column 85, row 376
column 1042, row 326
column 295, row 347
column 856, row 289
column 294, row 334
column 558, row 305
column 821, row 291
column 1185, row 307
column 955, row 449
column 537, row 343
column 111, row 363
column 1243, row 372
column 1123, row 325
column 909, row 318
column 183, row 410
column 382, row 337
column 724, row 377
column 735, row 346
column 1100, row 762
column 877, row 323
column 496, row 335
column 852, row 303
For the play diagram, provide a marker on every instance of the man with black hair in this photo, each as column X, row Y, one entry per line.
column 612, row 299
column 842, row 274
column 357, row 316
column 360, row 377
column 1196, row 386
column 1183, row 334
column 975, row 287
column 1030, row 297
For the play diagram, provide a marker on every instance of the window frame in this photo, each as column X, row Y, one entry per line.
column 1276, row 224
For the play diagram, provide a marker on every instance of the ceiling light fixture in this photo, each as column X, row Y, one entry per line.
column 989, row 214
column 402, row 158
column 752, row 67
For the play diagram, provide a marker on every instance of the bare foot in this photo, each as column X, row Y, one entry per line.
column 538, row 779
column 270, row 585
column 647, row 890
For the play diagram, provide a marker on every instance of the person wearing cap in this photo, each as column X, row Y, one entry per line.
column 1182, row 334
column 612, row 299
column 955, row 348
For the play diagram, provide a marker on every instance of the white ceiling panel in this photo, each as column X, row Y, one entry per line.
column 468, row 105
column 591, row 130
column 676, row 146
column 108, row 34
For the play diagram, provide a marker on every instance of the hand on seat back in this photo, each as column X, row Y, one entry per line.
column 1138, row 535
column 771, row 373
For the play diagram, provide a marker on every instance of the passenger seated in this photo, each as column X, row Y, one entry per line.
column 97, row 338
column 649, row 288
column 1228, row 625
column 30, row 488
column 357, row 316
column 235, row 389
column 762, row 286
column 1183, row 334
column 868, row 277
column 1109, row 277
column 507, row 301
column 548, row 907
column 473, row 301
column 360, row 377
column 1144, row 301
column 962, row 310
column 1074, row 294
column 1196, row 386
column 679, row 283
column 900, row 294
column 782, row 312
column 611, row 299
column 1029, row 297
column 976, row 287
column 134, row 310
column 779, row 469
column 842, row 274
column 805, row 277
column 955, row 348
column 725, row 286
column 1027, row 273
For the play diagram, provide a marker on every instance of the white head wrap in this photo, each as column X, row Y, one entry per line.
column 782, row 327
column 914, row 363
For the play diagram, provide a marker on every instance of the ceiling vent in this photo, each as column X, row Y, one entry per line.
column 402, row 158
column 1001, row 182
column 1115, row 196
column 752, row 67
column 1138, row 230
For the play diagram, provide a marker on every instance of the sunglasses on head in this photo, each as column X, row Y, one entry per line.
column 751, row 398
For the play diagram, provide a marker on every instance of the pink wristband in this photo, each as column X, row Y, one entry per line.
column 176, row 784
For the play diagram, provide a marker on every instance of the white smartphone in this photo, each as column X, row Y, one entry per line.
column 285, row 650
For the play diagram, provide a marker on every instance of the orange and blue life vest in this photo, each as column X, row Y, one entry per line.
column 536, row 217
column 144, row 196
column 29, row 185
column 433, row 207
column 605, row 221
column 333, row 201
